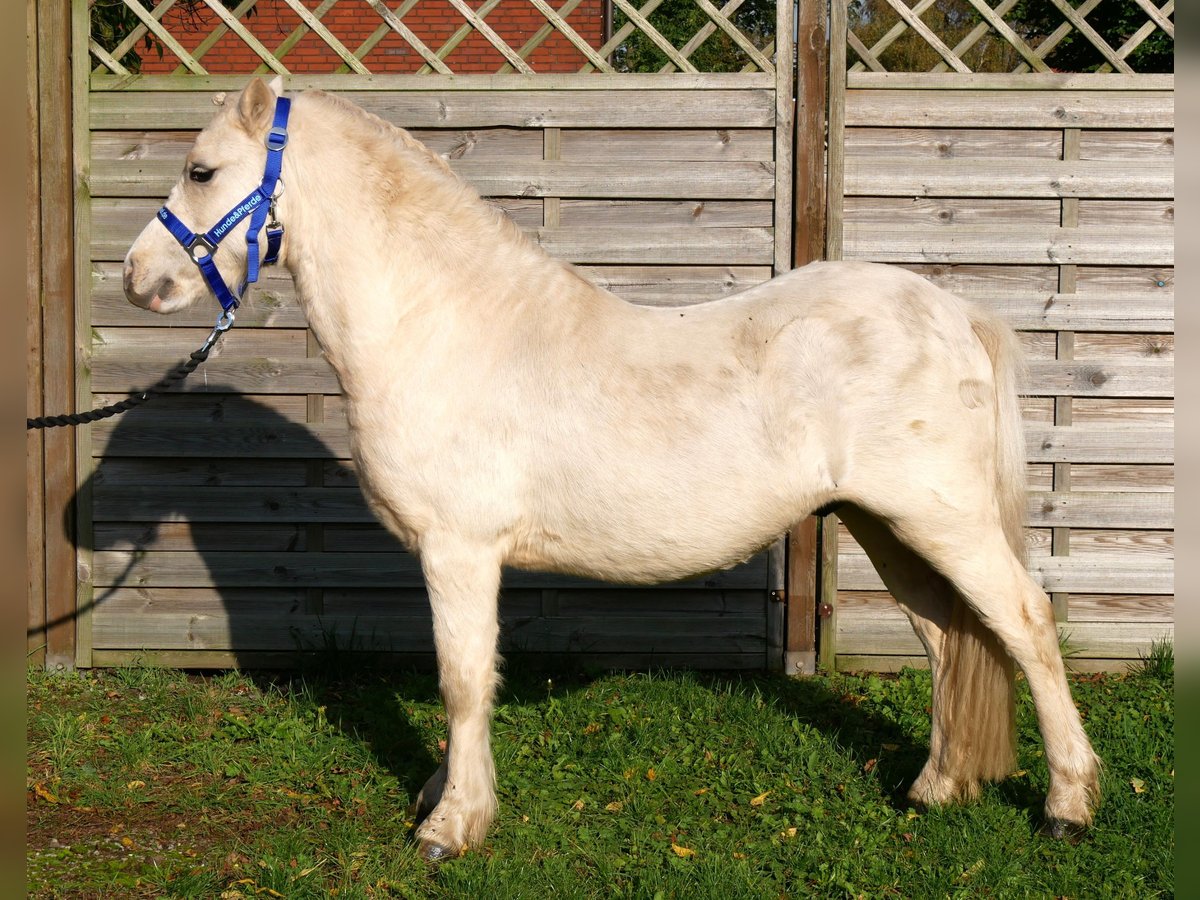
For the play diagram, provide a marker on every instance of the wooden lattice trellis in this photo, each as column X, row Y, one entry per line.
column 433, row 30
column 996, row 22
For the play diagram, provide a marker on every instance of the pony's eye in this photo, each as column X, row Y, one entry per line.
column 196, row 173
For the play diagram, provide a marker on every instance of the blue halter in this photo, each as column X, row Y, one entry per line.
column 201, row 247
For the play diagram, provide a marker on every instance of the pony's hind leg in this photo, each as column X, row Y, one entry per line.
column 975, row 558
column 459, row 800
column 972, row 739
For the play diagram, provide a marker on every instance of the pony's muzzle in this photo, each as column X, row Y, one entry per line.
column 151, row 301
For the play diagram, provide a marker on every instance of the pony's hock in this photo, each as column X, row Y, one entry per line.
column 505, row 411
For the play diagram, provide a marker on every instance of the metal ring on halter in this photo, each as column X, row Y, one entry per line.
column 200, row 242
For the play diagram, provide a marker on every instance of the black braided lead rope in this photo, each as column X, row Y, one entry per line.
column 180, row 372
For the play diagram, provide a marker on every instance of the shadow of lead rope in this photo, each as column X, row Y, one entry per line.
column 180, row 372
column 137, row 553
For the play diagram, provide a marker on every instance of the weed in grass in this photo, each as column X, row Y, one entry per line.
column 1158, row 663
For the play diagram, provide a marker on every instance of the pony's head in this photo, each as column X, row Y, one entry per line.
column 223, row 166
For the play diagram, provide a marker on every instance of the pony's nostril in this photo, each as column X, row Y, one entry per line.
column 127, row 279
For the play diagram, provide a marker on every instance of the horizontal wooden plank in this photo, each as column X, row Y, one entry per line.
column 259, row 631
column 1000, row 81
column 524, row 178
column 156, row 535
column 277, row 440
column 123, row 372
column 500, row 145
column 694, row 213
column 903, row 177
column 1120, row 608
column 496, row 145
column 752, row 107
column 341, row 83
column 258, row 503
column 1121, row 347
column 872, row 630
column 1091, row 574
column 251, row 569
column 1080, row 444
column 880, row 242
column 1107, row 412
column 953, row 143
column 211, row 472
column 410, row 601
column 1052, row 311
column 942, row 211
column 240, row 343
column 266, row 631
column 1124, row 213
column 967, row 279
column 1115, row 575
column 970, row 108
column 638, row 145
column 1101, row 510
column 1100, row 379
column 1121, row 279
column 200, row 406
column 422, row 661
column 1122, row 477
column 658, row 246
column 1107, row 542
column 1116, row 640
column 1128, row 145
column 858, row 662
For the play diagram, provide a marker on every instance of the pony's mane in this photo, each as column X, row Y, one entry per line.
column 434, row 169
column 377, row 127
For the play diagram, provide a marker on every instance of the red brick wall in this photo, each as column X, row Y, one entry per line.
column 353, row 21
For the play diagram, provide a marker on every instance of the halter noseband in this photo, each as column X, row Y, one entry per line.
column 201, row 247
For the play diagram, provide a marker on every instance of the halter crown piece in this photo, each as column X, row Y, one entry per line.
column 201, row 247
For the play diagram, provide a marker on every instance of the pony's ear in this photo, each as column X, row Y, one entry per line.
column 255, row 106
column 276, row 85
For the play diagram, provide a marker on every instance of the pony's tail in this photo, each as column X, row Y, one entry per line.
column 979, row 729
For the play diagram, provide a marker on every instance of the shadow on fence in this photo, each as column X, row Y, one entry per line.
column 359, row 697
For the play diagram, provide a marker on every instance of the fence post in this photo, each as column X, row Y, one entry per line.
column 808, row 244
column 57, row 309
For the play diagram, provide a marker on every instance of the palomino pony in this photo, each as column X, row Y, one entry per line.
column 505, row 411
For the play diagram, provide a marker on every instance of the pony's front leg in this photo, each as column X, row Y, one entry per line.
column 460, row 798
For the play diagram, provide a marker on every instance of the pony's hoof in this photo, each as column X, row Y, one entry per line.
column 1063, row 830
column 435, row 853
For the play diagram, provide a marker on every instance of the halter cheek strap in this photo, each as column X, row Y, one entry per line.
column 202, row 247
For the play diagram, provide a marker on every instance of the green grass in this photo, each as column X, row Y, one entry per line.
column 148, row 783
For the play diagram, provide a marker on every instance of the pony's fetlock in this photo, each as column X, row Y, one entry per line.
column 453, row 827
column 1072, row 801
column 935, row 788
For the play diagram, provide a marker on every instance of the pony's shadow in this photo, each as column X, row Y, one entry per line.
column 178, row 516
column 358, row 697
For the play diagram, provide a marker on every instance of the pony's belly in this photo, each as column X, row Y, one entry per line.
column 652, row 548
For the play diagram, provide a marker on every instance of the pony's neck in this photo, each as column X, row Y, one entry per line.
column 387, row 245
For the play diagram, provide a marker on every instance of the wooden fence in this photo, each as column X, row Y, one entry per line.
column 224, row 527
column 1050, row 198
